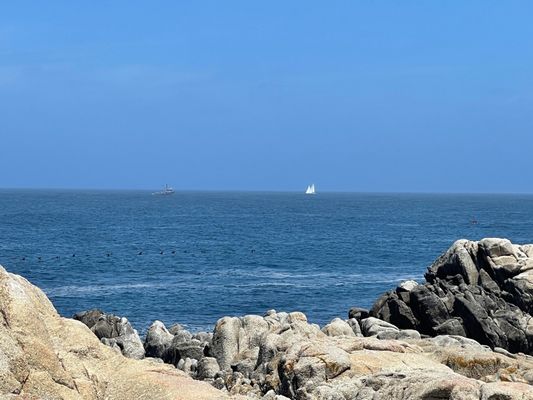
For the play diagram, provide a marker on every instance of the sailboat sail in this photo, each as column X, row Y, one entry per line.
column 310, row 189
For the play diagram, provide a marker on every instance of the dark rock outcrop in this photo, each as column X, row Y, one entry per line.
column 158, row 340
column 113, row 331
column 181, row 348
column 482, row 290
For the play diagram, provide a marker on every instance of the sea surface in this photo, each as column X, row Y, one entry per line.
column 197, row 256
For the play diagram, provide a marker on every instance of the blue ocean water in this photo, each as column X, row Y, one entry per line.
column 210, row 254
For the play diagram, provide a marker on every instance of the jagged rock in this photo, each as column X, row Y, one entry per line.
column 428, row 307
column 158, row 340
column 113, row 331
column 477, row 324
column 520, row 289
column 487, row 283
column 219, row 383
column 458, row 260
column 483, row 290
column 175, row 349
column 501, row 258
column 399, row 313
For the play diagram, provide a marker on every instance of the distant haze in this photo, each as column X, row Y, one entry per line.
column 393, row 96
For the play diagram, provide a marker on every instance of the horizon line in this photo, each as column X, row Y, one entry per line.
column 96, row 189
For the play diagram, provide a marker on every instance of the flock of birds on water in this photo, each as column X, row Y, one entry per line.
column 140, row 253
column 473, row 221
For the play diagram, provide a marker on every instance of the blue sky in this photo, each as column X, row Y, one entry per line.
column 432, row 96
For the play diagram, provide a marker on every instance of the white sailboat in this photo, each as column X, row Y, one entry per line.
column 310, row 189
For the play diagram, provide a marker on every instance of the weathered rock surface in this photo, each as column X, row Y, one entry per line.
column 44, row 356
column 178, row 346
column 482, row 290
column 281, row 354
column 338, row 327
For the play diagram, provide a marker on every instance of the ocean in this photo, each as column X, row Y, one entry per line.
column 194, row 257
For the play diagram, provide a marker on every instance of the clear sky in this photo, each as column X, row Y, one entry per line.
column 432, row 96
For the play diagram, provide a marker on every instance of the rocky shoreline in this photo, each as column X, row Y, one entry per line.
column 466, row 333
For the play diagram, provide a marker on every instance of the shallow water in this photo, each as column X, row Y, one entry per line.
column 237, row 253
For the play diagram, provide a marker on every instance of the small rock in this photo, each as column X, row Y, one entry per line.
column 175, row 328
column 358, row 313
column 338, row 327
column 372, row 326
column 408, row 334
column 356, row 328
column 406, row 286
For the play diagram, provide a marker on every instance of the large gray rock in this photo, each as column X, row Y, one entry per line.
column 233, row 335
column 226, row 341
column 113, row 331
column 429, row 309
column 158, row 340
column 483, row 290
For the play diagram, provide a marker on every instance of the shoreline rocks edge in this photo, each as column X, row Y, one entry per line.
column 466, row 333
